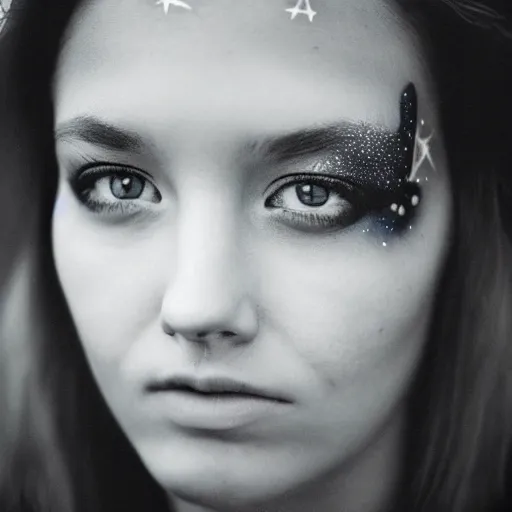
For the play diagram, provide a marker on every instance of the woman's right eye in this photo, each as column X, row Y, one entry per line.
column 115, row 189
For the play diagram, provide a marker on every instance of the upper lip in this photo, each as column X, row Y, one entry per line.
column 217, row 385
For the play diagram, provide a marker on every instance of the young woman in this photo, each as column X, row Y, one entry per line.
column 254, row 256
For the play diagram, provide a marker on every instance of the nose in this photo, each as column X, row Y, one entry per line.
column 208, row 298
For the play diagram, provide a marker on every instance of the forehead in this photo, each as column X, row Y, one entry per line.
column 249, row 50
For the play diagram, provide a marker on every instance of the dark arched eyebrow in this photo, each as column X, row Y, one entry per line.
column 313, row 140
column 93, row 130
column 356, row 140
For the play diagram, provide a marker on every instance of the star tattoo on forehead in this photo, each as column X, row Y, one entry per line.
column 175, row 3
column 302, row 7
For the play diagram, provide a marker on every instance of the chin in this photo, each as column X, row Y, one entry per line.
column 218, row 493
column 226, row 499
column 218, row 488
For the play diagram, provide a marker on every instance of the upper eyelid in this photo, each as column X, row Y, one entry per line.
column 307, row 176
column 77, row 174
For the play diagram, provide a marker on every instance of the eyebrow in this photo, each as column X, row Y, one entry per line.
column 309, row 141
column 93, row 130
column 278, row 149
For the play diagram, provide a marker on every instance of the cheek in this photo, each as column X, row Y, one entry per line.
column 355, row 323
column 354, row 310
column 113, row 284
column 354, row 317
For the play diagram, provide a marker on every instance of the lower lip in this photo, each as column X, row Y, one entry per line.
column 217, row 412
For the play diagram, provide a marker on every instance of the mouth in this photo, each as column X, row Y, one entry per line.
column 216, row 404
column 215, row 388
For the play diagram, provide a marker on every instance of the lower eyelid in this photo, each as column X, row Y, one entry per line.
column 316, row 222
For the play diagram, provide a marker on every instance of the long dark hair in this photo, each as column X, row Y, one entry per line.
column 60, row 448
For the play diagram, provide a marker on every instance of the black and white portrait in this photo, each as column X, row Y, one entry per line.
column 255, row 256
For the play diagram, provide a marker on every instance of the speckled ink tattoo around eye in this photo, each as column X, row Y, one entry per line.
column 360, row 175
column 399, row 214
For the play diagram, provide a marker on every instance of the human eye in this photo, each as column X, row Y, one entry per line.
column 114, row 189
column 314, row 203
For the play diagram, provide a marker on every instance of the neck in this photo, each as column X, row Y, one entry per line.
column 369, row 483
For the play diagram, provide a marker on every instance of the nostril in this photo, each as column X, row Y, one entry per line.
column 169, row 330
column 219, row 334
column 227, row 334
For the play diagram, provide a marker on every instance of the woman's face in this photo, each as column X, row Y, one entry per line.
column 239, row 199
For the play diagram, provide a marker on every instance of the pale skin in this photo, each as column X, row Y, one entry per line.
column 334, row 319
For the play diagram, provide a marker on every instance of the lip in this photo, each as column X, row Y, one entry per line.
column 215, row 403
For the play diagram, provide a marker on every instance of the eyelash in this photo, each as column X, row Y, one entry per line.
column 85, row 180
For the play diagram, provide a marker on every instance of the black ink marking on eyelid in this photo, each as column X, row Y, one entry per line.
column 375, row 163
column 375, row 158
column 367, row 155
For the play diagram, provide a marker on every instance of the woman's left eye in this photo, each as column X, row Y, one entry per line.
column 314, row 203
column 112, row 189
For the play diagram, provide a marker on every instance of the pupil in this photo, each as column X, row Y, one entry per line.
column 311, row 194
column 126, row 187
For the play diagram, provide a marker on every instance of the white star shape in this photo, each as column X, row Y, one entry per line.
column 302, row 7
column 176, row 3
column 422, row 152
